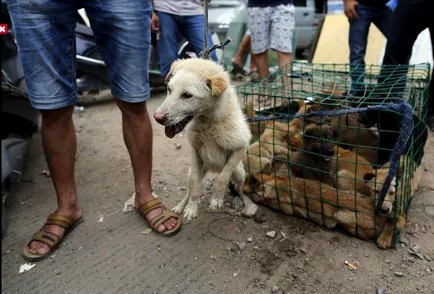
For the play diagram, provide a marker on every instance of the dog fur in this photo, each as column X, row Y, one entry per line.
column 375, row 182
column 200, row 97
column 323, row 205
column 272, row 143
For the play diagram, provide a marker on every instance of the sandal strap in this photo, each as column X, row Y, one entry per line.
column 161, row 218
column 146, row 207
column 50, row 239
column 58, row 220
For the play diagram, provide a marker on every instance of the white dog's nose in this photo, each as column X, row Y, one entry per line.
column 160, row 118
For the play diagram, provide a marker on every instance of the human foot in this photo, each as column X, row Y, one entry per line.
column 152, row 212
column 65, row 217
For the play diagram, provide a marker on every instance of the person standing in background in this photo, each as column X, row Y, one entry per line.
column 410, row 18
column 171, row 17
column 361, row 14
column 271, row 24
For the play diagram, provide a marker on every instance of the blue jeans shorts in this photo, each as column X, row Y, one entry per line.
column 44, row 30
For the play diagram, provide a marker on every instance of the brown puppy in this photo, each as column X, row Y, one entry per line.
column 315, row 161
column 273, row 142
column 323, row 205
column 257, row 128
column 410, row 176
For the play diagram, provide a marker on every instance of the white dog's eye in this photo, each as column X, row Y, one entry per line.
column 186, row 95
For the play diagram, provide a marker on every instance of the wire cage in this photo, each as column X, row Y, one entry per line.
column 331, row 168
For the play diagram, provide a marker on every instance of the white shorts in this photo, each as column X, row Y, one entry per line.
column 271, row 28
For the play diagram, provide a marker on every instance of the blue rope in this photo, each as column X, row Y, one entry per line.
column 402, row 108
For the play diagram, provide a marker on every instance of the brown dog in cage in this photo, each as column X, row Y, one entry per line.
column 272, row 143
column 322, row 160
column 409, row 175
column 324, row 205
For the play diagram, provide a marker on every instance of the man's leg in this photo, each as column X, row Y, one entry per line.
column 125, row 43
column 282, row 27
column 167, row 44
column 383, row 20
column 192, row 29
column 409, row 19
column 47, row 51
column 358, row 40
column 238, row 60
column 259, row 26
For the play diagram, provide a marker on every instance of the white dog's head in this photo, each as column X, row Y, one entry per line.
column 194, row 87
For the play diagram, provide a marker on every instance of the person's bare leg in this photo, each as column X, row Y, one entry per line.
column 252, row 63
column 244, row 47
column 261, row 61
column 283, row 59
column 60, row 146
column 137, row 130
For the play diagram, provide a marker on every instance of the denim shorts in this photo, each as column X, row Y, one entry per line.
column 44, row 30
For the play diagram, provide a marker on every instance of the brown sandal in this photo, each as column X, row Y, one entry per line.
column 51, row 239
column 147, row 207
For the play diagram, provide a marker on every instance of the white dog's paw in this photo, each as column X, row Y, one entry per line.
column 216, row 203
column 249, row 210
column 179, row 208
column 191, row 211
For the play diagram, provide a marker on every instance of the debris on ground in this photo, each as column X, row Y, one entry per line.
column 129, row 204
column 234, row 275
column 352, row 266
column 146, row 231
column 178, row 146
column 304, row 250
column 241, row 246
column 250, row 240
column 403, row 240
column 412, row 252
column 271, row 234
column 399, row 274
column 380, row 291
column 101, row 219
column 260, row 217
column 26, row 267
column 274, row 289
column 46, row 173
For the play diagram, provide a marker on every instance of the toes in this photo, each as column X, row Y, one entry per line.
column 43, row 249
column 161, row 228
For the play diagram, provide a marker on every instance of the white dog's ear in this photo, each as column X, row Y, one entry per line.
column 217, row 84
column 175, row 65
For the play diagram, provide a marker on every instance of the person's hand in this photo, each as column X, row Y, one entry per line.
column 155, row 22
column 350, row 9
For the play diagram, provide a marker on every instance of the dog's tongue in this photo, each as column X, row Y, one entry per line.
column 326, row 158
column 170, row 131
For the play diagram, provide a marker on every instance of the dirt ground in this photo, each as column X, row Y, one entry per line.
column 217, row 253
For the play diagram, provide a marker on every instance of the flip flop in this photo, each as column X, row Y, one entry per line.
column 236, row 69
column 158, row 220
column 50, row 239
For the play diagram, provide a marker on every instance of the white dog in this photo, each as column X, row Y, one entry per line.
column 199, row 94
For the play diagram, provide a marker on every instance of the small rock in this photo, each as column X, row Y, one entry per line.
column 271, row 234
column 428, row 270
column 429, row 210
column 399, row 274
column 366, row 255
column 416, row 254
column 403, row 240
column 182, row 188
column 260, row 217
column 241, row 246
column 304, row 250
column 415, row 248
column 178, row 146
column 161, row 181
column 427, row 257
column 237, row 203
column 250, row 240
column 380, row 290
column 234, row 275
column 274, row 289
column 387, row 261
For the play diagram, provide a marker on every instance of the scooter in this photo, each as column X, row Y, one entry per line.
column 19, row 119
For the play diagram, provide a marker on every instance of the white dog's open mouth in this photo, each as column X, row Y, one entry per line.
column 174, row 129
